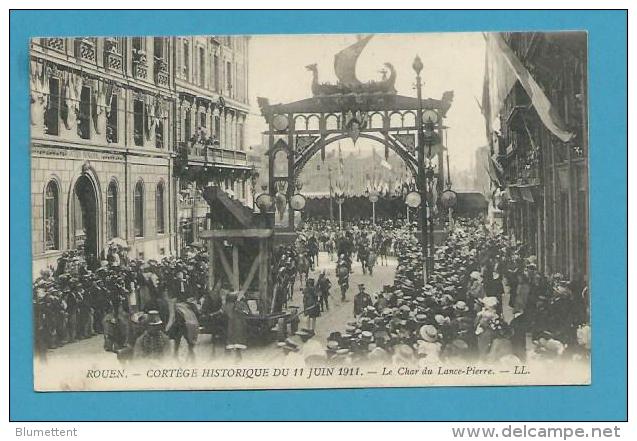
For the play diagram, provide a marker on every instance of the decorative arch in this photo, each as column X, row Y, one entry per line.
column 313, row 122
column 409, row 119
column 298, row 119
column 302, row 160
column 87, row 208
column 396, row 120
column 383, row 118
column 376, row 120
column 332, row 122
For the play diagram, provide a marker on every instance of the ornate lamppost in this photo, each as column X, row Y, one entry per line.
column 425, row 125
column 421, row 180
column 373, row 195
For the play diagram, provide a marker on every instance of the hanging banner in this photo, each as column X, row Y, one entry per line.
column 503, row 70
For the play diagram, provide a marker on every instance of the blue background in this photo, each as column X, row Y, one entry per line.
column 604, row 400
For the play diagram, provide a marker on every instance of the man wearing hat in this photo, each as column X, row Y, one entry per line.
column 323, row 285
column 342, row 271
column 153, row 343
column 311, row 304
column 361, row 300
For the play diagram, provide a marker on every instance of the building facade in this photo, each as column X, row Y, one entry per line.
column 547, row 177
column 102, row 114
column 211, row 85
column 125, row 132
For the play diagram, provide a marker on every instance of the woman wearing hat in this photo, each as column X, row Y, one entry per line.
column 484, row 330
column 429, row 347
column 476, row 289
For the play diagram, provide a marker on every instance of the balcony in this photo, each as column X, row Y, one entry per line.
column 85, row 49
column 209, row 154
column 140, row 64
column 112, row 55
column 57, row 44
column 161, row 72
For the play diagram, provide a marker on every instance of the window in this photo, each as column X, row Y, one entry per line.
column 159, row 134
column 138, row 122
column 202, row 67
column 84, row 126
column 216, row 72
column 202, row 119
column 159, row 208
column 186, row 65
column 51, row 217
column 158, row 47
column 138, row 215
column 217, row 127
column 228, row 78
column 52, row 115
column 111, row 210
column 111, row 121
column 138, row 44
column 240, row 135
column 187, row 124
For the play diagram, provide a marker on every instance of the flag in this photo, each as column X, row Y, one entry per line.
column 495, row 171
column 502, row 71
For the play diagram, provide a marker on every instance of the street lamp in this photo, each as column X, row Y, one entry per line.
column 373, row 195
column 425, row 125
column 421, row 184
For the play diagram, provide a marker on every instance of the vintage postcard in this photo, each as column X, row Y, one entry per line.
column 310, row 211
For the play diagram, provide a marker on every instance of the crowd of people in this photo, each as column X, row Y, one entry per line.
column 73, row 302
column 484, row 300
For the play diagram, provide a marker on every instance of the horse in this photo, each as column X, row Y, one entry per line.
column 183, row 322
column 302, row 266
column 383, row 250
column 363, row 256
column 313, row 252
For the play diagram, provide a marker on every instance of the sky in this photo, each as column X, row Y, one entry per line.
column 452, row 61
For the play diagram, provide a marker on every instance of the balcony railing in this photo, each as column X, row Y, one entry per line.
column 85, row 49
column 112, row 55
column 161, row 72
column 140, row 64
column 201, row 153
column 57, row 44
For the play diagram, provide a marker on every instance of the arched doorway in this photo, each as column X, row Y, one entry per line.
column 83, row 220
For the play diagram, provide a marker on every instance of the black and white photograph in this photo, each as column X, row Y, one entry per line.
column 310, row 211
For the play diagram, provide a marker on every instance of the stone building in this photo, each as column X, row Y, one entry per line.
column 541, row 144
column 211, row 85
column 102, row 113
